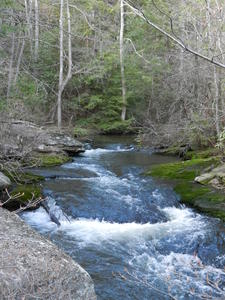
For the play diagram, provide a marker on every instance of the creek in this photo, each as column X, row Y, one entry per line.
column 130, row 232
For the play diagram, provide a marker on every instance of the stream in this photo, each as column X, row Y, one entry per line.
column 130, row 232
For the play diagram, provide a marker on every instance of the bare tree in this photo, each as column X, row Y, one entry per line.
column 63, row 82
column 10, row 75
column 123, row 82
column 172, row 36
column 36, row 7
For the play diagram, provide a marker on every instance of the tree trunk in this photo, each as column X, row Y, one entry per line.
column 28, row 11
column 19, row 62
column 62, row 82
column 36, row 30
column 216, row 101
column 60, row 65
column 123, row 82
column 10, row 76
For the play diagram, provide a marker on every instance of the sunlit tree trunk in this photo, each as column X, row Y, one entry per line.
column 63, row 82
column 10, row 74
column 123, row 82
column 36, row 8
column 28, row 11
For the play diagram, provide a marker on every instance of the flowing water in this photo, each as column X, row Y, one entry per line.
column 129, row 231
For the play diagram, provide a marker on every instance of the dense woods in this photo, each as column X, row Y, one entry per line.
column 102, row 66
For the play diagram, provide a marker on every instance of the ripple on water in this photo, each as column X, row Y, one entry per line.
column 124, row 220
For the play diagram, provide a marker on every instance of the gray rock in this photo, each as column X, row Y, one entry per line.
column 204, row 178
column 29, row 137
column 64, row 142
column 216, row 177
column 32, row 267
column 4, row 181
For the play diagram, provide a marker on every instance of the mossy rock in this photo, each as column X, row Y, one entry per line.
column 204, row 198
column 190, row 154
column 186, row 170
column 207, row 153
column 50, row 160
column 24, row 177
column 25, row 194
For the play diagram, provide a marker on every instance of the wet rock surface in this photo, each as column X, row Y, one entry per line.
column 34, row 268
column 4, row 181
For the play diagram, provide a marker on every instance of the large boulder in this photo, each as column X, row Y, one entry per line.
column 24, row 137
column 32, row 267
column 63, row 143
column 4, row 181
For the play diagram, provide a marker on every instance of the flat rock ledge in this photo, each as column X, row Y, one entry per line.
column 32, row 267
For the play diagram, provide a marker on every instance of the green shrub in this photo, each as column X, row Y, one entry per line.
column 117, row 127
column 80, row 132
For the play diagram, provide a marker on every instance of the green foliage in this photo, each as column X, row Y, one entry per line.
column 80, row 132
column 117, row 127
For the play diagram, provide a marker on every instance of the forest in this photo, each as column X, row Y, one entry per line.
column 112, row 149
column 101, row 66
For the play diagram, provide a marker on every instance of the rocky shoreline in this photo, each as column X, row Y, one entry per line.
column 27, row 145
column 32, row 266
column 198, row 178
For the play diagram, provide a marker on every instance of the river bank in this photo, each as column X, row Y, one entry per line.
column 198, row 180
column 32, row 266
column 129, row 231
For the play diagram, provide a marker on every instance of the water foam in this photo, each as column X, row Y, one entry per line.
column 96, row 231
column 180, row 274
column 99, row 151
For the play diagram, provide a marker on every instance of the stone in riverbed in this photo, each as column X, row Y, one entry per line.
column 4, row 181
column 32, row 267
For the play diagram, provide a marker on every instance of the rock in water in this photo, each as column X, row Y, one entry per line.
column 32, row 267
column 4, row 181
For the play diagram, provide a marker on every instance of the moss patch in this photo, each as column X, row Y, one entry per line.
column 207, row 153
column 25, row 194
column 187, row 170
column 204, row 199
column 190, row 154
column 24, row 177
column 49, row 160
